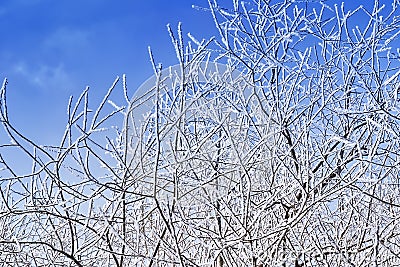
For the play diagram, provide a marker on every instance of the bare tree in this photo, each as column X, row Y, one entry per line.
column 273, row 144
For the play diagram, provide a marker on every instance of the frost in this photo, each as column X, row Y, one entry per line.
column 265, row 145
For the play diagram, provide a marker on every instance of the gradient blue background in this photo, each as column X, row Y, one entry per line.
column 51, row 49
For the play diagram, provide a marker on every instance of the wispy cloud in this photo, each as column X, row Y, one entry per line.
column 56, row 51
column 45, row 77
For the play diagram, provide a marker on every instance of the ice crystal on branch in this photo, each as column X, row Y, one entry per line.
column 275, row 143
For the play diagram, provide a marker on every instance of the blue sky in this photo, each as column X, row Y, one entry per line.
column 50, row 50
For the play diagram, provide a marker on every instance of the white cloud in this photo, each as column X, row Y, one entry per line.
column 64, row 44
column 45, row 77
